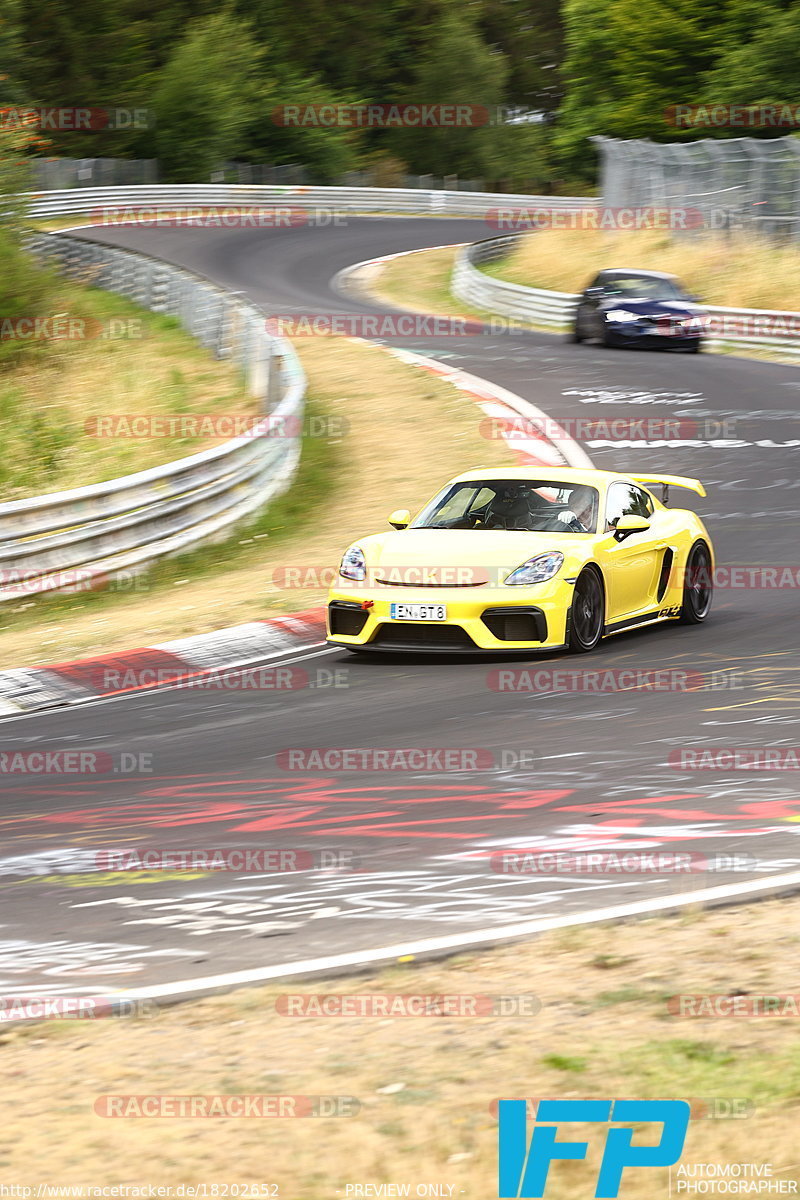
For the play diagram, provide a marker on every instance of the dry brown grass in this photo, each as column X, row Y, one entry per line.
column 408, row 432
column 47, row 399
column 734, row 272
column 603, row 1031
column 420, row 282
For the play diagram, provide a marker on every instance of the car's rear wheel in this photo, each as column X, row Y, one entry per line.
column 576, row 335
column 698, row 585
column 587, row 614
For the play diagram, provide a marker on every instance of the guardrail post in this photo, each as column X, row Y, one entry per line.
column 274, row 377
column 258, row 368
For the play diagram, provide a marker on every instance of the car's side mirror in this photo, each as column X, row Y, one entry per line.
column 592, row 293
column 400, row 518
column 630, row 524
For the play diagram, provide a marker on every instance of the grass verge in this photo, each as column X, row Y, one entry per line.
column 734, row 272
column 420, row 282
column 426, row 1086
column 129, row 362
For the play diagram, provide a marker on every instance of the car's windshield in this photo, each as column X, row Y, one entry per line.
column 642, row 287
column 535, row 505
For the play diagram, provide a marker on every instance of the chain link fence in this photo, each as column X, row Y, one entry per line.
column 751, row 184
column 56, row 174
column 59, row 174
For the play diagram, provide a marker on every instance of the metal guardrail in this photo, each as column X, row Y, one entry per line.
column 418, row 201
column 78, row 537
column 728, row 327
column 554, row 310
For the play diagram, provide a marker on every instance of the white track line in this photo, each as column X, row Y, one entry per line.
column 404, row 951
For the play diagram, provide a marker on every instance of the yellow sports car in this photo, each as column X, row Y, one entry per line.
column 525, row 558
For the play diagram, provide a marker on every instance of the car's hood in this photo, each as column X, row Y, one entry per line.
column 655, row 308
column 483, row 555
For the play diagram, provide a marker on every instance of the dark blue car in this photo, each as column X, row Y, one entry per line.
column 639, row 308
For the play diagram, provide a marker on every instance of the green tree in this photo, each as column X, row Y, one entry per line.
column 327, row 151
column 762, row 67
column 663, row 52
column 531, row 35
column 455, row 66
column 207, row 98
column 24, row 287
column 351, row 47
column 627, row 62
column 99, row 54
column 518, row 158
column 591, row 81
column 11, row 54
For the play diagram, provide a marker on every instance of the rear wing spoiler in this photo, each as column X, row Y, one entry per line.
column 667, row 481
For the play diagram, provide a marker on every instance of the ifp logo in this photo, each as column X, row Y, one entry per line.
column 523, row 1169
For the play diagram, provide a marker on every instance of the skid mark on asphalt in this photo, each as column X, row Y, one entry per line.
column 61, row 957
column 393, row 895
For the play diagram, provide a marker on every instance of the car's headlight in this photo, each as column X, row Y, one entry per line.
column 536, row 570
column 621, row 314
column 353, row 564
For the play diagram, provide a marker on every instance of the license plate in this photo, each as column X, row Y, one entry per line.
column 418, row 612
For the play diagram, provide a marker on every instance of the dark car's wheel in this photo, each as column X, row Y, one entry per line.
column 694, row 347
column 698, row 585
column 587, row 614
column 576, row 335
column 609, row 339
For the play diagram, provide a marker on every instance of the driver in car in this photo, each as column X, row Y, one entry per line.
column 579, row 517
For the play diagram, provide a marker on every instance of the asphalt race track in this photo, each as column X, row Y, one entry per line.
column 409, row 855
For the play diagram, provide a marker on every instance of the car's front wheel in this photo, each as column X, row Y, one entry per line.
column 587, row 614
column 698, row 585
